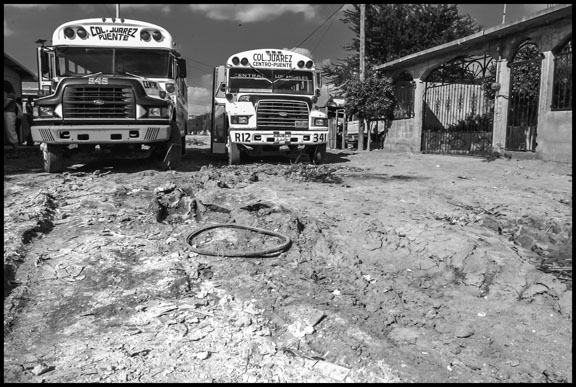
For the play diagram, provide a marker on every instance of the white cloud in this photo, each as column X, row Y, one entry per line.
column 299, row 50
column 325, row 62
column 7, row 30
column 199, row 100
column 206, row 81
column 164, row 8
column 38, row 6
column 532, row 8
column 247, row 13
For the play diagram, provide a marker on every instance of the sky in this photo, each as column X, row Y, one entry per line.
column 207, row 34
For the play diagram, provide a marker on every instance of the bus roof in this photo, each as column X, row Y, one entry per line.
column 270, row 58
column 112, row 32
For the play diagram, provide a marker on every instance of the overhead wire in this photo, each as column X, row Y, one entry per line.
column 323, row 35
column 321, row 25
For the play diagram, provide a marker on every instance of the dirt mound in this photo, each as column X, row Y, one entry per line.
column 396, row 271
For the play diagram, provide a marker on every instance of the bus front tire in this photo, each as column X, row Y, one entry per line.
column 173, row 151
column 317, row 154
column 53, row 158
column 233, row 153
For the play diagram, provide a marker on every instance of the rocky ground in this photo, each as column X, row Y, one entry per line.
column 399, row 268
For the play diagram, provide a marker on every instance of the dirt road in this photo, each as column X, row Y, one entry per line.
column 401, row 267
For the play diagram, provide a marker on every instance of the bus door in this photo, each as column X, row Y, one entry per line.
column 46, row 65
column 219, row 120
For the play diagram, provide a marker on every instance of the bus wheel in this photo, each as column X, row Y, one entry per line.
column 53, row 158
column 233, row 153
column 317, row 154
column 183, row 145
column 173, row 153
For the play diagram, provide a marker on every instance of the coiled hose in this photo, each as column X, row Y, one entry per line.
column 237, row 253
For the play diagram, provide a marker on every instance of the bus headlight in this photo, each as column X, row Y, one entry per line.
column 320, row 122
column 242, row 120
column 45, row 112
column 170, row 87
column 157, row 112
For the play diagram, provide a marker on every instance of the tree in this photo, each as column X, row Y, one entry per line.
column 371, row 100
column 397, row 30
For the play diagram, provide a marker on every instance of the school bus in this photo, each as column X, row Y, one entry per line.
column 112, row 87
column 264, row 103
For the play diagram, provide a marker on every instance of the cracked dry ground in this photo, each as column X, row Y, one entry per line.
column 402, row 268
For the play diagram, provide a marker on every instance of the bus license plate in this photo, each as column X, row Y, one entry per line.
column 280, row 138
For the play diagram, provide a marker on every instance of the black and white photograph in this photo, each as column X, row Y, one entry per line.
column 287, row 193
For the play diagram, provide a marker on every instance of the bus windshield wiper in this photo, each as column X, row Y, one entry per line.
column 92, row 75
column 132, row 75
column 284, row 76
column 259, row 72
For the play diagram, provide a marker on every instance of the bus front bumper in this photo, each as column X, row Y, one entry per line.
column 100, row 134
column 279, row 137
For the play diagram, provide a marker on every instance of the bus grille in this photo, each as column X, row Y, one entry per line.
column 99, row 102
column 277, row 114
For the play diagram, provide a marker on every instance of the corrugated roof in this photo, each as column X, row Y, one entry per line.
column 25, row 74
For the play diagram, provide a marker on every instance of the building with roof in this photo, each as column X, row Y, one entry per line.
column 16, row 73
column 505, row 88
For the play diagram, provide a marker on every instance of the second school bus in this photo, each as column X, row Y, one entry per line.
column 265, row 102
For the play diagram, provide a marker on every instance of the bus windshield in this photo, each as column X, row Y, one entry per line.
column 78, row 61
column 271, row 81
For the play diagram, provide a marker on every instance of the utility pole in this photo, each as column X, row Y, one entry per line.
column 504, row 14
column 117, row 11
column 362, row 52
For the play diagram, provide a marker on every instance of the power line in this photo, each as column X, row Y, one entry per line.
column 325, row 21
column 200, row 63
column 322, row 37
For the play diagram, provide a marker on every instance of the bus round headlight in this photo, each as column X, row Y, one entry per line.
column 69, row 33
column 82, row 34
column 157, row 35
column 170, row 87
column 145, row 36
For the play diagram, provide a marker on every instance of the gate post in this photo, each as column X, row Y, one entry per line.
column 501, row 105
column 416, row 143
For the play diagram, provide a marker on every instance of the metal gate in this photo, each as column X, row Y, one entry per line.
column 458, row 107
column 521, row 128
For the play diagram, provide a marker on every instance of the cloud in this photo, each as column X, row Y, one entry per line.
column 532, row 8
column 300, row 50
column 247, row 13
column 164, row 8
column 36, row 6
column 199, row 100
column 7, row 30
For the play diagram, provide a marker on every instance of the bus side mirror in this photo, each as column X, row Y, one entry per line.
column 182, row 68
column 45, row 63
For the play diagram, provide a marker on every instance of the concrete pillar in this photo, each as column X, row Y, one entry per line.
column 418, row 115
column 544, row 99
column 501, row 106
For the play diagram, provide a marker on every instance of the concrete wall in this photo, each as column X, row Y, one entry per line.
column 406, row 135
column 554, row 136
column 402, row 136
